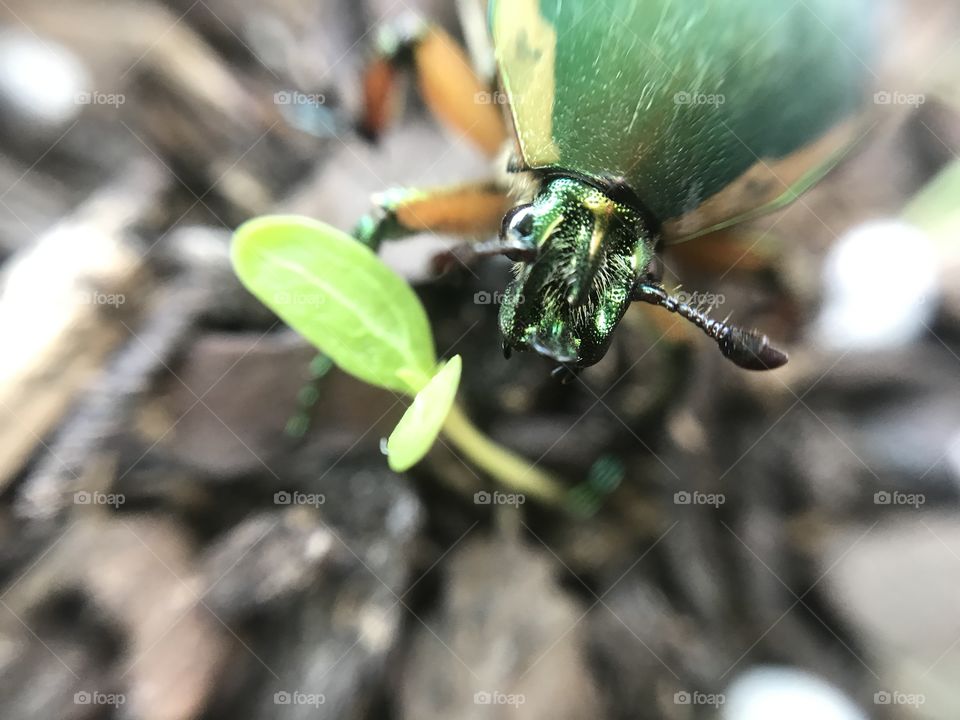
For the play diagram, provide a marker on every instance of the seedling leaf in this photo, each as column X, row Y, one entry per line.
column 418, row 429
column 340, row 296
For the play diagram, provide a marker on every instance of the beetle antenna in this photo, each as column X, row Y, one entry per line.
column 749, row 349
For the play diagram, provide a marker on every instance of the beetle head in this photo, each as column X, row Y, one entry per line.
column 583, row 253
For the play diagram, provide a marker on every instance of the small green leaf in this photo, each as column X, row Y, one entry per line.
column 340, row 296
column 418, row 428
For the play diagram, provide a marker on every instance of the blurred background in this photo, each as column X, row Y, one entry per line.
column 744, row 546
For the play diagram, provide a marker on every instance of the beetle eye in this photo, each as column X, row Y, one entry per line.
column 518, row 223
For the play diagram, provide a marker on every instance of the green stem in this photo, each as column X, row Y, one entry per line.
column 498, row 462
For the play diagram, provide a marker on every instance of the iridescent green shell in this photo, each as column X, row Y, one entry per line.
column 711, row 111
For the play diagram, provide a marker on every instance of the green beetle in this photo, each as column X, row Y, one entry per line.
column 636, row 123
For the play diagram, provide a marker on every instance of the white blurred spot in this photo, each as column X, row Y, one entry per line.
column 40, row 79
column 880, row 287
column 786, row 694
column 318, row 545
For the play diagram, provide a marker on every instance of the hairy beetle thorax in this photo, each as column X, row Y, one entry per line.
column 589, row 251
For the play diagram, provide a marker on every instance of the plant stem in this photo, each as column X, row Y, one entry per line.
column 503, row 465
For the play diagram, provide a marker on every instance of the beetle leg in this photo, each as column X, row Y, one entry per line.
column 749, row 349
column 469, row 210
column 466, row 253
column 446, row 81
column 566, row 374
